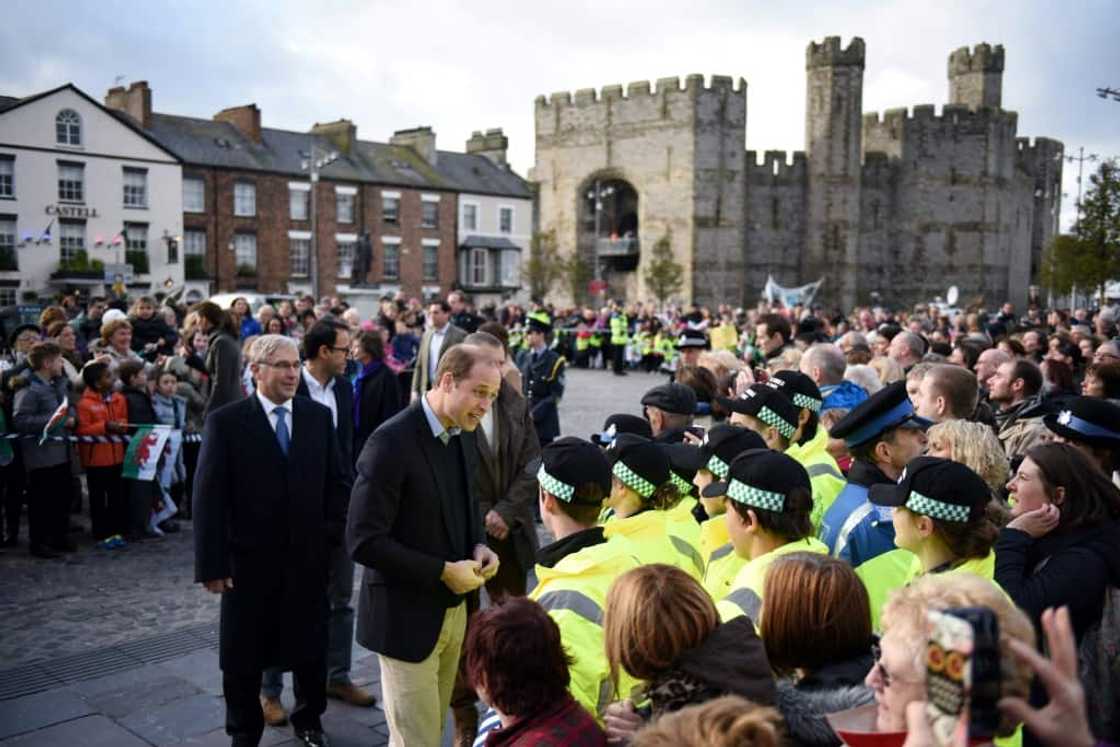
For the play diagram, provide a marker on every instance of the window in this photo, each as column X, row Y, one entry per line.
column 430, row 215
column 392, row 268
column 68, row 128
column 344, row 205
column 136, row 247
column 470, row 217
column 431, row 263
column 135, row 187
column 172, row 249
column 7, row 296
column 478, row 266
column 511, row 268
column 390, row 208
column 245, row 200
column 346, row 247
column 245, row 253
column 71, row 239
column 194, row 243
column 299, row 200
column 505, row 220
column 7, row 176
column 71, row 177
column 194, row 195
column 299, row 253
column 8, row 262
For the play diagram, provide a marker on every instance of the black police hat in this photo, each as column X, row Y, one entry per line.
column 722, row 443
column 938, row 488
column 799, row 389
column 683, row 461
column 641, row 464
column 761, row 478
column 768, row 405
column 569, row 462
column 1089, row 420
column 692, row 338
column 621, row 423
column 675, row 398
column 888, row 408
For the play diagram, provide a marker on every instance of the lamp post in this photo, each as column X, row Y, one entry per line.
column 313, row 162
column 597, row 193
column 1080, row 160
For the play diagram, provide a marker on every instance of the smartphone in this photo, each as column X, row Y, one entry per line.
column 962, row 675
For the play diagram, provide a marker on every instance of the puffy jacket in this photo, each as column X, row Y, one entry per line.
column 94, row 414
column 34, row 406
column 846, row 394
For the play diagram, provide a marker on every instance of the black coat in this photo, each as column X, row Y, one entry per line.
column 378, row 400
column 151, row 331
column 266, row 521
column 344, row 406
column 401, row 527
column 544, row 386
column 140, row 409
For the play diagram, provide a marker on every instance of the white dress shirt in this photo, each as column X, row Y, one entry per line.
column 324, row 395
column 433, row 352
column 269, row 406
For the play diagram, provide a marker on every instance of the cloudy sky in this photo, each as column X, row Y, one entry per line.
column 461, row 66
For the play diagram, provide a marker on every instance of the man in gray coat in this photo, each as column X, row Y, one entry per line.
column 439, row 336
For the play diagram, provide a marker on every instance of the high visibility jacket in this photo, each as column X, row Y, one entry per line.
column 583, row 341
column 596, row 340
column 721, row 563
column 745, row 596
column 645, row 343
column 574, row 592
column 619, row 325
column 661, row 537
column 984, row 567
column 824, row 474
column 684, row 528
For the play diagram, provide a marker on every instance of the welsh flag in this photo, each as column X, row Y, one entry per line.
column 144, row 450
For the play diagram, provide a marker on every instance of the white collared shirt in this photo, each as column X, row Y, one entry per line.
column 269, row 406
column 433, row 352
column 324, row 395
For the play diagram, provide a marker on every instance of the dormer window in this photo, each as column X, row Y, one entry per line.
column 68, row 128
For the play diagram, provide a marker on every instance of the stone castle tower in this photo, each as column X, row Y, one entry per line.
column 892, row 208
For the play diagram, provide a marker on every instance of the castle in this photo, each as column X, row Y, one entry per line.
column 890, row 208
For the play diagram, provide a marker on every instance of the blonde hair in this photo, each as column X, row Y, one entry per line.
column 263, row 348
column 864, row 376
column 719, row 362
column 888, row 369
column 729, row 721
column 904, row 619
column 789, row 360
column 977, row 447
column 109, row 328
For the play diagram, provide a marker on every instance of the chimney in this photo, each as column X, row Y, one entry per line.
column 136, row 102
column 342, row 133
column 245, row 118
column 420, row 139
column 493, row 145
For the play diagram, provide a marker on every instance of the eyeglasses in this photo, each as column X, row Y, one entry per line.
column 282, row 365
column 338, row 349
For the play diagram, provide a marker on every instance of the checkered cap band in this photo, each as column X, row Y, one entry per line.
column 755, row 497
column 921, row 504
column 633, row 480
column 683, row 485
column 807, row 402
column 718, row 467
column 558, row 488
column 772, row 419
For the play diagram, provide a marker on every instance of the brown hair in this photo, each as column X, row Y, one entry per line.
column 653, row 614
column 41, row 352
column 56, row 328
column 816, row 611
column 1109, row 374
column 1091, row 498
column 973, row 538
column 216, row 316
column 51, row 314
column 729, row 721
column 957, row 386
column 792, row 524
column 459, row 361
column 585, row 506
column 497, row 330
column 108, row 329
column 128, row 369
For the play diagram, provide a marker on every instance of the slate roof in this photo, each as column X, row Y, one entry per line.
column 7, row 102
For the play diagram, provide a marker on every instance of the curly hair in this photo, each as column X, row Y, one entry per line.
column 975, row 446
column 729, row 721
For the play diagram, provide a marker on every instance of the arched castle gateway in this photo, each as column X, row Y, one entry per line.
column 901, row 204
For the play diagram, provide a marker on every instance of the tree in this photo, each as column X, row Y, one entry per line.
column 664, row 275
column 545, row 267
column 1069, row 261
column 1098, row 226
column 577, row 272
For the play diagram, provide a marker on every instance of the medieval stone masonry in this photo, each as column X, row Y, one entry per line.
column 893, row 207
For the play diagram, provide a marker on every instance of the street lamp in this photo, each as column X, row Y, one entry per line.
column 597, row 193
column 1080, row 160
column 1106, row 93
column 313, row 162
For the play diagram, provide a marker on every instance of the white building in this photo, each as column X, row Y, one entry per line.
column 84, row 192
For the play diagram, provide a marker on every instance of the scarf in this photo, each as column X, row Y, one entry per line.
column 367, row 370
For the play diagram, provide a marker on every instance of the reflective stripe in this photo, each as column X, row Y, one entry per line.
column 849, row 525
column 573, row 601
column 745, row 599
column 686, row 549
column 824, row 468
column 721, row 552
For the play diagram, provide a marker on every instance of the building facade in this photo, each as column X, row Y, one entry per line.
column 890, row 208
column 85, row 198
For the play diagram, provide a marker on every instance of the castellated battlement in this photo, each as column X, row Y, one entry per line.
column 643, row 89
column 775, row 167
column 1039, row 154
column 829, row 53
column 983, row 58
column 952, row 115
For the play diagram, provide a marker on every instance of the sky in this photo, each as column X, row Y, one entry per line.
column 464, row 66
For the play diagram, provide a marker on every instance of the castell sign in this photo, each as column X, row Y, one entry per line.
column 71, row 211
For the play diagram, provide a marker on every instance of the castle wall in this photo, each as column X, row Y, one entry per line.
column 774, row 218
column 1042, row 163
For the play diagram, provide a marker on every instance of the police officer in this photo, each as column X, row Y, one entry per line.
column 542, row 370
column 690, row 344
column 620, row 336
column 882, row 434
column 1092, row 425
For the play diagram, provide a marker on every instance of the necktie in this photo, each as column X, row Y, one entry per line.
column 282, row 436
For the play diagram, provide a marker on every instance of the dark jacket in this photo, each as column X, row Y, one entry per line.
column 344, row 406
column 1071, row 568
column 150, row 331
column 730, row 661
column 223, row 365
column 805, row 704
column 266, row 520
column 140, row 409
column 543, row 380
column 402, row 527
column 503, row 483
column 34, row 405
column 378, row 399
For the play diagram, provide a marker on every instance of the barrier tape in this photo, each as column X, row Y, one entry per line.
column 187, row 438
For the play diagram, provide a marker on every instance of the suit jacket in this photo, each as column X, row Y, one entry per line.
column 454, row 336
column 344, row 406
column 401, row 527
column 378, row 400
column 266, row 520
column 503, row 484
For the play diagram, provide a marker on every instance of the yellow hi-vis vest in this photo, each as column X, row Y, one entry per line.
column 824, row 474
column 661, row 537
column 745, row 596
column 574, row 592
column 721, row 563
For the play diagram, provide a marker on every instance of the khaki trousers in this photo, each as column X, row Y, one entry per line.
column 416, row 695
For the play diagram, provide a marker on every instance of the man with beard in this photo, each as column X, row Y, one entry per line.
column 1015, row 389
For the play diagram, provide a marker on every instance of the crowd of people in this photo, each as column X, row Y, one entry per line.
column 754, row 555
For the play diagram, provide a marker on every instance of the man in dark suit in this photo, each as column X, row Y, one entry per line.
column 269, row 498
column 325, row 349
column 437, row 339
column 415, row 525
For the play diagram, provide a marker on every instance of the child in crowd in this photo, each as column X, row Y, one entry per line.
column 103, row 412
column 171, row 409
column 141, row 495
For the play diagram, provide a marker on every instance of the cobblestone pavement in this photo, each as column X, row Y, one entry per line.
column 94, row 600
